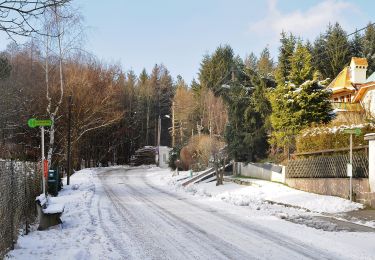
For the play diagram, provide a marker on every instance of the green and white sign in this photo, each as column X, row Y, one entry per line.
column 354, row 131
column 32, row 122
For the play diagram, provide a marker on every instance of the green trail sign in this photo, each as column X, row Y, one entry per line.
column 354, row 131
column 32, row 122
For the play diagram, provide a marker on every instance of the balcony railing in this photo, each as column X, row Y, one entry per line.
column 347, row 107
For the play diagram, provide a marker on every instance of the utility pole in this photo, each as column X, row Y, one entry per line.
column 159, row 133
column 351, row 168
column 173, row 127
column 70, row 102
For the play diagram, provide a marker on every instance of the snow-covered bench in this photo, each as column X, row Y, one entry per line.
column 48, row 213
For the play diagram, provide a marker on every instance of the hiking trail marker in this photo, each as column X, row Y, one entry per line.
column 32, row 123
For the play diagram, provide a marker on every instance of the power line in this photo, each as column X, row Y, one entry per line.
column 343, row 45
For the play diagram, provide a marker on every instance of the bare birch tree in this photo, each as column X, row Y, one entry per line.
column 18, row 17
column 62, row 32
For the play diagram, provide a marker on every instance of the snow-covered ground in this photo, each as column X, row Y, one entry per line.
column 144, row 213
column 77, row 238
column 261, row 192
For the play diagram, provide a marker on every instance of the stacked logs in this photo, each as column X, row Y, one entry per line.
column 143, row 156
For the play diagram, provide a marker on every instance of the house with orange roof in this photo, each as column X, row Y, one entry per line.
column 352, row 92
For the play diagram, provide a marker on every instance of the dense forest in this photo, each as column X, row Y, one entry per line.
column 254, row 106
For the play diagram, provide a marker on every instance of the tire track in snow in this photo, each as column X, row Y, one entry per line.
column 224, row 248
column 264, row 233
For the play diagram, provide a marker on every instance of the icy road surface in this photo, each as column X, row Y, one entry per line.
column 154, row 223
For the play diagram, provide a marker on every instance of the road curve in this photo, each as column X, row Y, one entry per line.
column 152, row 223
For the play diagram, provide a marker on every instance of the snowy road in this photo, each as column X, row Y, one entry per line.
column 153, row 223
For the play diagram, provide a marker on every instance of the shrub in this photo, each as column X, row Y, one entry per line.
column 197, row 154
column 330, row 137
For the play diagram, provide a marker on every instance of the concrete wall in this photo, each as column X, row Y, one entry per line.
column 266, row 171
column 335, row 187
column 371, row 157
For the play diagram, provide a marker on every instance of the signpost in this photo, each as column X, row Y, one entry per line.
column 32, row 123
column 357, row 132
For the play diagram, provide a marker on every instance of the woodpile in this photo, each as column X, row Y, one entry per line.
column 143, row 156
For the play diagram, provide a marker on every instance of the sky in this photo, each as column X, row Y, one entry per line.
column 138, row 34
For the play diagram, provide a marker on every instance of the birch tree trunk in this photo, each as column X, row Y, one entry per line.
column 52, row 114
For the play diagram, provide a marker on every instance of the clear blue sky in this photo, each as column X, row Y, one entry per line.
column 140, row 33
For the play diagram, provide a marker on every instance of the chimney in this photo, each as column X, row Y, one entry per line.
column 358, row 68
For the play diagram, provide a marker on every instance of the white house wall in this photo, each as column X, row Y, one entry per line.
column 368, row 102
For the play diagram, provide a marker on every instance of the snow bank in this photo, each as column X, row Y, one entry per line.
column 76, row 233
column 264, row 192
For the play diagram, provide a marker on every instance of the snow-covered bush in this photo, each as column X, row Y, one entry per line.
column 330, row 137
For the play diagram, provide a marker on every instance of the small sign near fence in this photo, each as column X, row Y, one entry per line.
column 349, row 170
column 353, row 131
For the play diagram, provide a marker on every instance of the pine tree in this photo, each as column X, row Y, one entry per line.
column 265, row 64
column 356, row 45
column 313, row 102
column 251, row 61
column 246, row 132
column 319, row 56
column 297, row 107
column 216, row 68
column 285, row 53
column 337, row 50
column 369, row 48
column 301, row 67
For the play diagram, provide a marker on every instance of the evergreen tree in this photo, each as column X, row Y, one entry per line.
column 331, row 51
column 369, row 48
column 313, row 102
column 356, row 46
column 251, row 61
column 246, row 132
column 166, row 96
column 216, row 68
column 297, row 107
column 285, row 53
column 301, row 67
column 195, row 86
column 265, row 65
column 319, row 56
